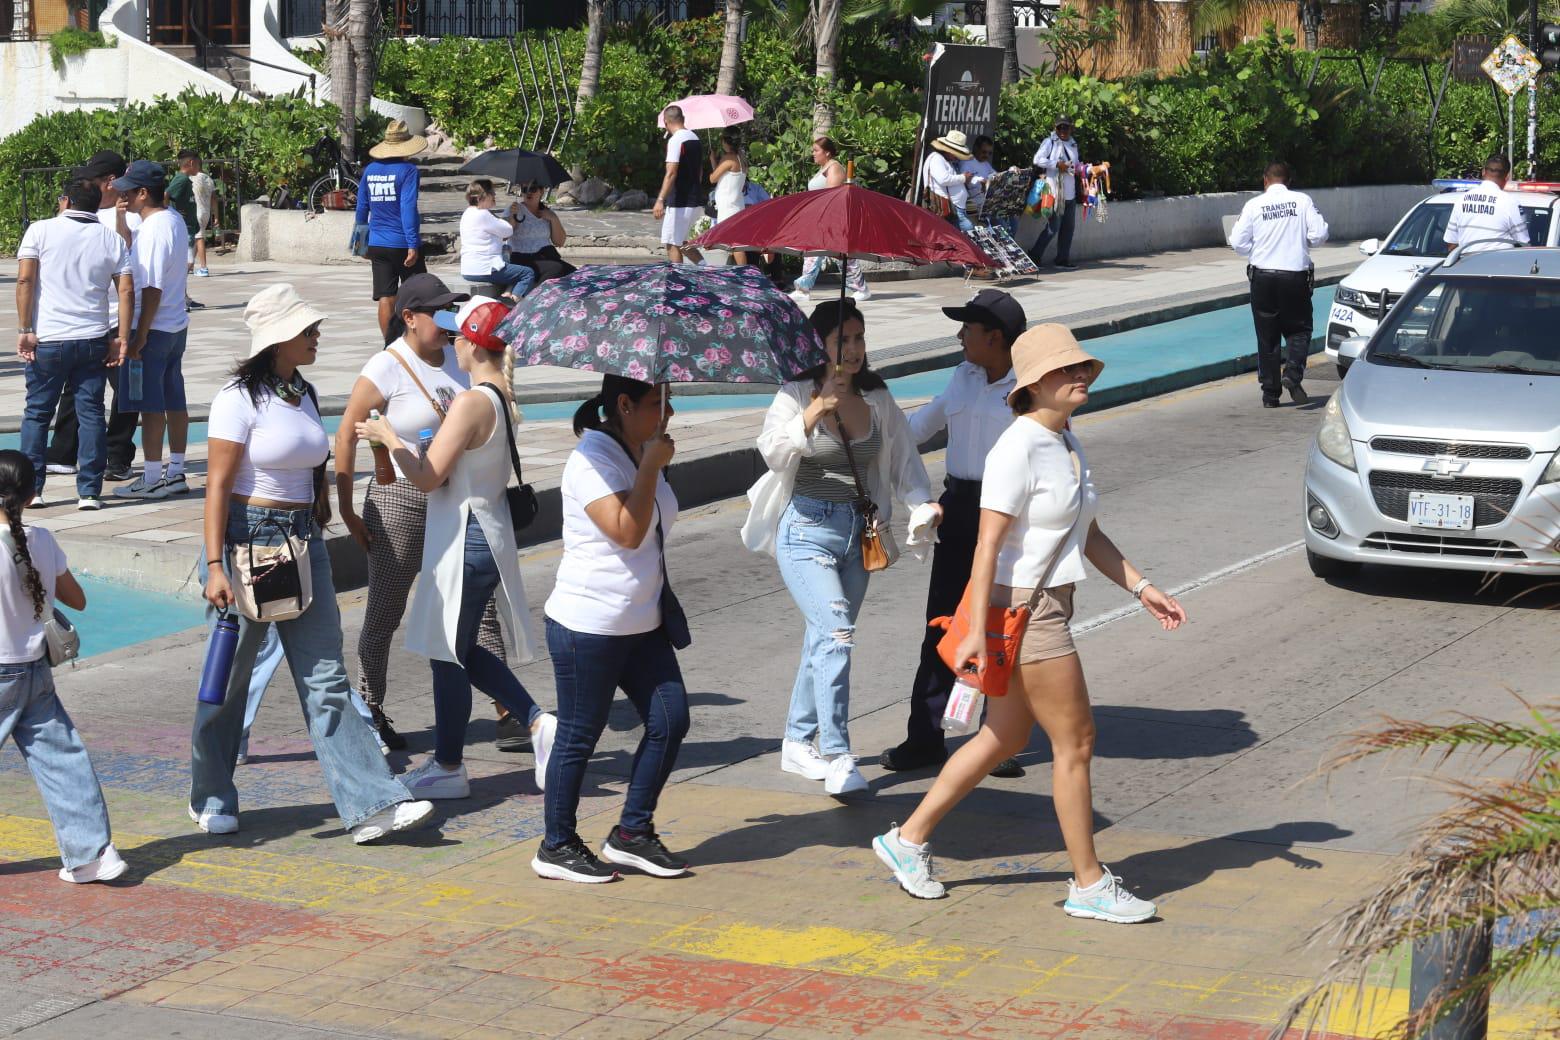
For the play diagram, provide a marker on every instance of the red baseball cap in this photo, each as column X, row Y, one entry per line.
column 476, row 320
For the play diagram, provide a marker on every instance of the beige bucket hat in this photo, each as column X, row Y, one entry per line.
column 276, row 314
column 954, row 143
column 1044, row 349
column 399, row 142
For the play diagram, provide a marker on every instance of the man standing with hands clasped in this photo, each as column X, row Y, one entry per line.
column 974, row 410
column 1277, row 231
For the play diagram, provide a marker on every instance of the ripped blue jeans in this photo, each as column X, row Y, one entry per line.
column 818, row 546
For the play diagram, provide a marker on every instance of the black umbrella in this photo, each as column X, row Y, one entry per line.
column 518, row 166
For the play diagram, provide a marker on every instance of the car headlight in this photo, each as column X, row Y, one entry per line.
column 1351, row 297
column 1552, row 472
column 1333, row 438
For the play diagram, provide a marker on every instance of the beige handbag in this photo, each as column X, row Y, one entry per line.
column 272, row 582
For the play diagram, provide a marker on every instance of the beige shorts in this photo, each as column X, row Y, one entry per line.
column 1047, row 635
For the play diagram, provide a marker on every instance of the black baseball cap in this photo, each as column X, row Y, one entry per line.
column 994, row 309
column 425, row 292
column 1063, row 121
column 102, row 164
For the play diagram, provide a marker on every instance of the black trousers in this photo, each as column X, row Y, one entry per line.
column 1281, row 311
column 121, row 432
column 951, row 563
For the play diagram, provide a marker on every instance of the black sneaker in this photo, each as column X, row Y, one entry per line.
column 571, row 861
column 120, row 474
column 1007, row 769
column 513, row 735
column 1297, row 392
column 393, row 740
column 904, row 758
column 642, row 852
column 1270, row 402
column 1067, row 265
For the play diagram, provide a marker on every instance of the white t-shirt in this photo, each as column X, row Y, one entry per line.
column 160, row 258
column 603, row 588
column 482, row 239
column 21, row 634
column 109, row 218
column 78, row 259
column 1487, row 215
column 1030, row 477
column 983, row 172
column 283, row 443
column 405, row 406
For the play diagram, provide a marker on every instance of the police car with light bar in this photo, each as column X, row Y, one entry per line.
column 1415, row 246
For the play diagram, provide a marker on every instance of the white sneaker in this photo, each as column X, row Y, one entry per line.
column 801, row 758
column 911, row 864
column 202, row 272
column 215, row 823
column 542, row 738
column 37, row 503
column 863, row 296
column 843, row 776
column 106, row 867
column 88, row 503
column 139, row 488
column 433, row 781
column 404, row 816
column 59, row 468
column 1107, row 900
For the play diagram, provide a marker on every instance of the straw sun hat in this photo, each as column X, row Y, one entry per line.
column 399, row 142
column 1044, row 349
column 954, row 143
column 276, row 314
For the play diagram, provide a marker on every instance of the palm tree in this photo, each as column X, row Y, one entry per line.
column 343, row 72
column 595, row 37
column 365, row 19
column 1494, row 854
column 1000, row 33
column 826, row 52
column 731, row 50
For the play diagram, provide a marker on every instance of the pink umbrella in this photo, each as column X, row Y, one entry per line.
column 706, row 111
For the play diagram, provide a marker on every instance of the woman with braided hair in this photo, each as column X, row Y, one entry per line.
column 32, row 575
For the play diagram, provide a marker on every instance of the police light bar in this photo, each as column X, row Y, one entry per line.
column 1455, row 183
column 1464, row 183
column 1548, row 187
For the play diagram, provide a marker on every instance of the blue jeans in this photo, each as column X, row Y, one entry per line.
column 812, row 267
column 33, row 716
column 961, row 219
column 588, row 670
column 355, row 771
column 512, row 278
column 1061, row 223
column 75, row 367
column 818, row 547
column 452, row 682
column 267, row 660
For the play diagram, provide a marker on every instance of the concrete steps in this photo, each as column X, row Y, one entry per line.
column 234, row 68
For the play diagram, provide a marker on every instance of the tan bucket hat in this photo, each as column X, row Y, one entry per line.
column 276, row 314
column 954, row 143
column 1044, row 349
column 399, row 142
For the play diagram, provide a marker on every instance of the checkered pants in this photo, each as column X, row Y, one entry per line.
column 396, row 516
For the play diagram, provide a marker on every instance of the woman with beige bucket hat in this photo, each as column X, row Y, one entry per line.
column 1037, row 526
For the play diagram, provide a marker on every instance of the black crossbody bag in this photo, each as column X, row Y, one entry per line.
column 523, row 505
column 674, row 620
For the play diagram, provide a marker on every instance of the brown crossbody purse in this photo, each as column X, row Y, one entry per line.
column 878, row 549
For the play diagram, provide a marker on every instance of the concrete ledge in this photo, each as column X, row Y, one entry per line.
column 296, row 236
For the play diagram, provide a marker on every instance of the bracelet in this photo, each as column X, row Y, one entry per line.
column 210, row 562
column 1137, row 590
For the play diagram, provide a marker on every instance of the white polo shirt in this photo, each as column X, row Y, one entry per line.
column 78, row 259
column 1489, row 216
column 975, row 413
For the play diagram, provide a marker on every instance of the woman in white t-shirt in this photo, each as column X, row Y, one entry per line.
column 411, row 383
column 265, row 482
column 33, row 575
column 483, row 239
column 613, row 623
column 1037, row 526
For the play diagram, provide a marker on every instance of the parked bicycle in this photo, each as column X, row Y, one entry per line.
column 337, row 189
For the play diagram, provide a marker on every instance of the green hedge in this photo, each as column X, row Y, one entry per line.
column 271, row 138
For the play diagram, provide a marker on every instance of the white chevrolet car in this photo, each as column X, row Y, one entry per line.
column 1415, row 246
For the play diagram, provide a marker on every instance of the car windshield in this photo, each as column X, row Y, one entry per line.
column 1423, row 233
column 1475, row 324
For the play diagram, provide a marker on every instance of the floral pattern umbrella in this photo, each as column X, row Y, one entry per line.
column 682, row 323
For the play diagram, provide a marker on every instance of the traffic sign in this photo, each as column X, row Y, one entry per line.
column 1512, row 66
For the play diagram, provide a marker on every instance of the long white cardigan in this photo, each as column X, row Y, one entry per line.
column 896, row 475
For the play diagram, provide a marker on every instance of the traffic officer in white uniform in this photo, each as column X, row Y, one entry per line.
column 973, row 409
column 1276, row 232
column 1488, row 217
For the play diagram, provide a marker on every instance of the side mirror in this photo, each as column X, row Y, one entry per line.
column 1352, row 347
column 1371, row 246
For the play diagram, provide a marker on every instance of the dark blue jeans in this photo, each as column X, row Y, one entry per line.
column 452, row 682
column 588, row 670
column 1060, row 227
column 512, row 278
column 75, row 367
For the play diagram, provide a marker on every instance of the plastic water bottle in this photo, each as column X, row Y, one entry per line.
column 963, row 712
column 135, row 377
column 219, row 660
column 384, row 469
column 424, row 442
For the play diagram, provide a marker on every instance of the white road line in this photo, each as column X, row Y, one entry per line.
column 1211, row 578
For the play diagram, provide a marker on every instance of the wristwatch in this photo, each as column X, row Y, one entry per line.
column 25, row 330
column 1137, row 590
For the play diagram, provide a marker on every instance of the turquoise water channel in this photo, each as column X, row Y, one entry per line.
column 118, row 615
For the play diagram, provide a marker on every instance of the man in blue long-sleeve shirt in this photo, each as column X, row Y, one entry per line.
column 387, row 203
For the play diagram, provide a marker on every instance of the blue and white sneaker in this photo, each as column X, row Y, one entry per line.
column 1107, row 900
column 911, row 864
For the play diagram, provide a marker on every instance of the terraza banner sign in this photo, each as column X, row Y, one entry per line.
column 962, row 85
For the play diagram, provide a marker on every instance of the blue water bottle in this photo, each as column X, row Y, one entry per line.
column 424, row 442
column 136, row 374
column 219, row 660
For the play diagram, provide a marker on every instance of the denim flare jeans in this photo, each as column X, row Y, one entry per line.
column 818, row 547
column 588, row 671
column 32, row 715
column 452, row 682
column 355, row 771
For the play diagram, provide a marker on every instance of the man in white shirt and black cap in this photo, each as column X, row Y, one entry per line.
column 973, row 409
column 1488, row 217
column 1277, row 231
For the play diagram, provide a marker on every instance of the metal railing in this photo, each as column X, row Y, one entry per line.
column 17, row 24
column 205, row 47
column 40, row 188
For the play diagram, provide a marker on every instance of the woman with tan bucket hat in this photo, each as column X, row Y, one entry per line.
column 1037, row 526
column 387, row 207
column 265, row 483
